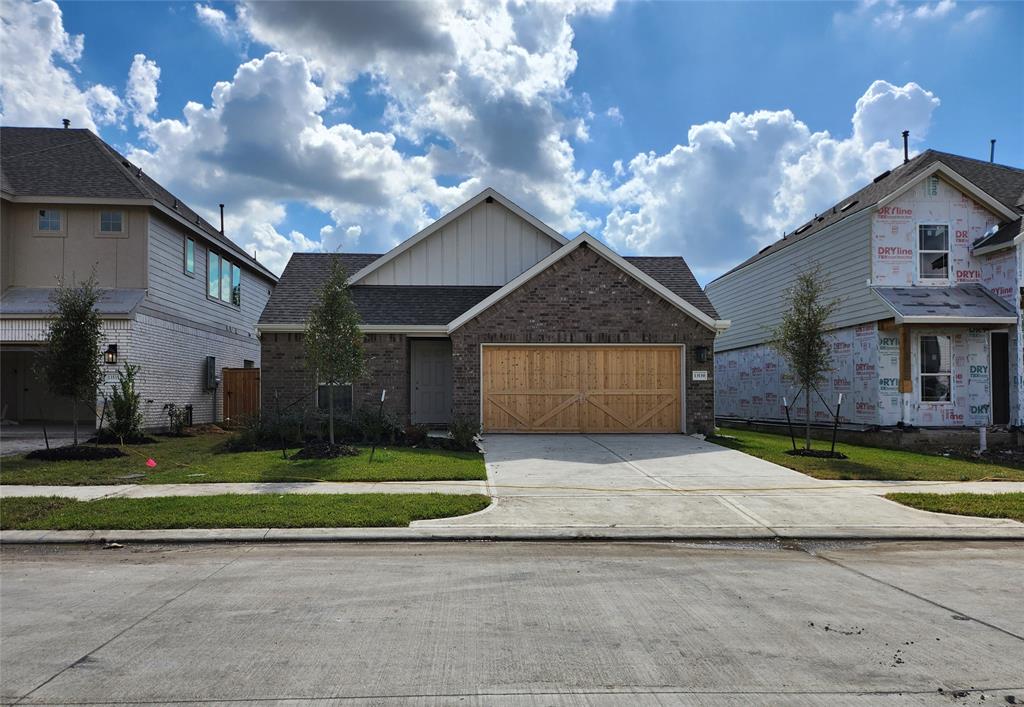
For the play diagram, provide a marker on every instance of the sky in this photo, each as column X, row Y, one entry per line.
column 705, row 130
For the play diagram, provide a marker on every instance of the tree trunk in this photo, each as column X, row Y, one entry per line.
column 807, row 441
column 330, row 414
column 74, row 418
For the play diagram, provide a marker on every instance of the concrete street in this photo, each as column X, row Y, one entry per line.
column 514, row 623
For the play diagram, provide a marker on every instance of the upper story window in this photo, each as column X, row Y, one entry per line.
column 933, row 252
column 936, row 359
column 224, row 279
column 111, row 222
column 50, row 220
column 190, row 256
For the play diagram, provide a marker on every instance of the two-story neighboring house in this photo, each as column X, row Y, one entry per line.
column 179, row 299
column 927, row 267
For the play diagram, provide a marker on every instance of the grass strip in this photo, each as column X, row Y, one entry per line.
column 867, row 463
column 371, row 510
column 202, row 459
column 984, row 505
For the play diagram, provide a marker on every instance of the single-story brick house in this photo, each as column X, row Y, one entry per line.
column 490, row 315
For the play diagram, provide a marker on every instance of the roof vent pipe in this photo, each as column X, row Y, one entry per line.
column 992, row 150
column 222, row 219
column 67, row 123
column 906, row 146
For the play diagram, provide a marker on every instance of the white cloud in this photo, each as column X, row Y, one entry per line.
column 217, row 20
column 142, row 92
column 37, row 85
column 615, row 114
column 738, row 184
column 894, row 15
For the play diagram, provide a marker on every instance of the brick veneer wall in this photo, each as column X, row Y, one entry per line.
column 584, row 299
column 284, row 372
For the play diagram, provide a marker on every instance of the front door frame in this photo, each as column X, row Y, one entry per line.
column 413, row 341
column 503, row 344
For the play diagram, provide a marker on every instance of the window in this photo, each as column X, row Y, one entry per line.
column 236, row 284
column 190, row 256
column 342, row 398
column 248, row 363
column 111, row 222
column 935, row 369
column 213, row 274
column 49, row 220
column 933, row 252
column 224, row 280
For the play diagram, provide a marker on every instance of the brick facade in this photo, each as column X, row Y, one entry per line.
column 581, row 299
column 387, row 366
column 584, row 299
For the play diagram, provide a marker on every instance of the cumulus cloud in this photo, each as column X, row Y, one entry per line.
column 895, row 15
column 37, row 85
column 142, row 92
column 217, row 20
column 738, row 184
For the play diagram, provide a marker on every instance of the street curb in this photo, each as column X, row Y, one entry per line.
column 596, row 534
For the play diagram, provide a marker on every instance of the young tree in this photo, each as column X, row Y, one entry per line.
column 71, row 362
column 800, row 337
column 334, row 344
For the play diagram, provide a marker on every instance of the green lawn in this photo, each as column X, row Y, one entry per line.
column 864, row 462
column 998, row 505
column 371, row 510
column 182, row 460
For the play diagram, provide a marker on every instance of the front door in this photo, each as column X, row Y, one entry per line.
column 1000, row 378
column 430, row 368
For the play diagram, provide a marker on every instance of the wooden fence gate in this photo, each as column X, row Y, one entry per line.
column 241, row 393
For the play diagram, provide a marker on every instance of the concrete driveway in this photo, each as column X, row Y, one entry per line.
column 682, row 483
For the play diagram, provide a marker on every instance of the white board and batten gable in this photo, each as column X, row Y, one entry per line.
column 486, row 241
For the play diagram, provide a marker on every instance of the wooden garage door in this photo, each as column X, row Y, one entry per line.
column 581, row 389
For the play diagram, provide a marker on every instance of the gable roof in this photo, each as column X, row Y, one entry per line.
column 485, row 195
column 422, row 305
column 1004, row 185
column 585, row 239
column 73, row 164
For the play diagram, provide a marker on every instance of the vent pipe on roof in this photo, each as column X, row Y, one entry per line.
column 906, row 146
column 992, row 150
column 222, row 219
column 67, row 123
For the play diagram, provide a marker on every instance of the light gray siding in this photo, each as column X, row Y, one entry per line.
column 173, row 292
column 753, row 298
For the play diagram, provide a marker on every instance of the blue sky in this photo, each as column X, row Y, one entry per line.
column 701, row 129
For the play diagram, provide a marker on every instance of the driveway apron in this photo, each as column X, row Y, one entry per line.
column 678, row 482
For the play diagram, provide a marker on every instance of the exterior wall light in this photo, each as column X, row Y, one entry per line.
column 110, row 355
column 701, row 354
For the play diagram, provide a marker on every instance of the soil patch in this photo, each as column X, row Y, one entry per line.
column 108, row 437
column 75, row 453
column 325, row 450
column 817, row 453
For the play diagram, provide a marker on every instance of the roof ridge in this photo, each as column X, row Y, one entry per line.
column 980, row 162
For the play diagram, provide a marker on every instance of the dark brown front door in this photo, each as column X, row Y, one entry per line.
column 1000, row 378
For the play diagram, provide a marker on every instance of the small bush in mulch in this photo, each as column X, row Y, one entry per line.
column 108, row 437
column 75, row 453
column 818, row 453
column 325, row 450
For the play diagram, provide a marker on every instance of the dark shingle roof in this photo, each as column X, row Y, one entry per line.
column 1006, row 184
column 957, row 301
column 1004, row 234
column 427, row 304
column 37, row 301
column 674, row 273
column 59, row 162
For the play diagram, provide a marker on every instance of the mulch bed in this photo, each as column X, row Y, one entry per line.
column 817, row 453
column 75, row 453
column 325, row 450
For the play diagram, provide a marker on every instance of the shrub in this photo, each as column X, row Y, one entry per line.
column 415, row 435
column 126, row 404
column 464, row 433
column 177, row 419
column 267, row 431
column 376, row 426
